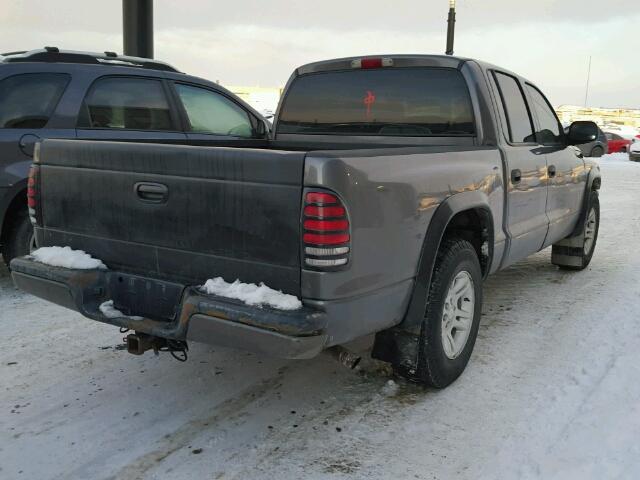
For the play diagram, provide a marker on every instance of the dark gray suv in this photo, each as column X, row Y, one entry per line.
column 50, row 93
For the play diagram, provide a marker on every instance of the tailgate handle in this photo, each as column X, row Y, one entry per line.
column 151, row 192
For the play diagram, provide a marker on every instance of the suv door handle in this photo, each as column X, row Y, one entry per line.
column 551, row 170
column 151, row 192
column 516, row 175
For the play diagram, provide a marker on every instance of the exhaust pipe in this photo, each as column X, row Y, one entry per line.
column 344, row 356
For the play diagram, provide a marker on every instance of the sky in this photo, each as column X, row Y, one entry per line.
column 259, row 43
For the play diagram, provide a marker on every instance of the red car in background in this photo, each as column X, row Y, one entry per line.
column 616, row 143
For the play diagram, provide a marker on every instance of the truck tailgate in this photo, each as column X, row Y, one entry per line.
column 176, row 212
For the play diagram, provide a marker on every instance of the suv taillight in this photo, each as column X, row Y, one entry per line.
column 326, row 236
column 33, row 197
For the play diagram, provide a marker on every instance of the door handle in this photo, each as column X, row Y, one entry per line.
column 551, row 170
column 151, row 192
column 516, row 175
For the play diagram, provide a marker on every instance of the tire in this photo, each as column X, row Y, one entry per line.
column 575, row 253
column 442, row 358
column 597, row 152
column 19, row 239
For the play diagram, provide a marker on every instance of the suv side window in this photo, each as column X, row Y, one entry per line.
column 126, row 103
column 515, row 109
column 210, row 112
column 549, row 132
column 28, row 100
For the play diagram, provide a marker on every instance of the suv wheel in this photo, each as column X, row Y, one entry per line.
column 451, row 321
column 575, row 253
column 19, row 240
column 597, row 152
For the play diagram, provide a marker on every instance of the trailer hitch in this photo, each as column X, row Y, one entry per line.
column 138, row 343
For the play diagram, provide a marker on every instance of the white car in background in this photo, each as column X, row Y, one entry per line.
column 634, row 150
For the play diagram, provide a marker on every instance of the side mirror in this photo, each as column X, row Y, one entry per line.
column 582, row 132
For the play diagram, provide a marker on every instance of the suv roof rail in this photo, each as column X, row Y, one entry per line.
column 55, row 55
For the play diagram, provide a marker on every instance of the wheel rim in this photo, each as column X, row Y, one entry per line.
column 590, row 231
column 457, row 314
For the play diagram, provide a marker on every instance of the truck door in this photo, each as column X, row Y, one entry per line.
column 127, row 108
column 526, row 171
column 565, row 169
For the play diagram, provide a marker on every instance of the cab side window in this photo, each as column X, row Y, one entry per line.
column 515, row 109
column 126, row 103
column 549, row 131
column 210, row 112
column 28, row 100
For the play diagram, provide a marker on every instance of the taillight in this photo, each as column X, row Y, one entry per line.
column 326, row 235
column 365, row 63
column 33, row 197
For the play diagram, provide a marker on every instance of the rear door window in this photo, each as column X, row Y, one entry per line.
column 390, row 101
column 126, row 103
column 28, row 100
column 515, row 109
column 211, row 112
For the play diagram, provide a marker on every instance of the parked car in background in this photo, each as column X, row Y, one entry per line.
column 51, row 93
column 634, row 151
column 390, row 188
column 617, row 143
column 596, row 148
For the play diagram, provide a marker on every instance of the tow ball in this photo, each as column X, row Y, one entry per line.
column 138, row 343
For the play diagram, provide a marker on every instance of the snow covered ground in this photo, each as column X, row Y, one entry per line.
column 552, row 391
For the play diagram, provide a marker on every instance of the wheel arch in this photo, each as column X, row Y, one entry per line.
column 14, row 199
column 594, row 182
column 467, row 215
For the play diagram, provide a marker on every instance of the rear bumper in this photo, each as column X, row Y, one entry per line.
column 198, row 317
column 634, row 156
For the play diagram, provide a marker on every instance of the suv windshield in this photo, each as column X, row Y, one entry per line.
column 415, row 102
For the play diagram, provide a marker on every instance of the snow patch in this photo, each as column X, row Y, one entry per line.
column 390, row 389
column 614, row 157
column 109, row 311
column 66, row 257
column 252, row 294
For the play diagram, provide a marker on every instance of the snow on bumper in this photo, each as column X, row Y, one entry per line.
column 188, row 313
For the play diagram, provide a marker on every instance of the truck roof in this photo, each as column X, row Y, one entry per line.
column 397, row 60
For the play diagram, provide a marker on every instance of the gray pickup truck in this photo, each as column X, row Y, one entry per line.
column 390, row 188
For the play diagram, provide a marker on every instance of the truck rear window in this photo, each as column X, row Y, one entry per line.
column 415, row 102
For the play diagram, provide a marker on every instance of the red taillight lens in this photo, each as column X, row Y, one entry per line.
column 326, row 234
column 325, row 239
column 324, row 212
column 32, row 194
column 326, row 225
column 321, row 198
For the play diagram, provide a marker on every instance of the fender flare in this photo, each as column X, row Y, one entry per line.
column 10, row 195
column 400, row 344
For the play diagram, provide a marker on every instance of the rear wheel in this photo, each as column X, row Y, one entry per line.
column 452, row 317
column 597, row 152
column 19, row 240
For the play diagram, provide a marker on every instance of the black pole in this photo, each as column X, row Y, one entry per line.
column 137, row 28
column 451, row 24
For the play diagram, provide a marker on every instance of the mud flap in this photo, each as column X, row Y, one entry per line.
column 568, row 252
